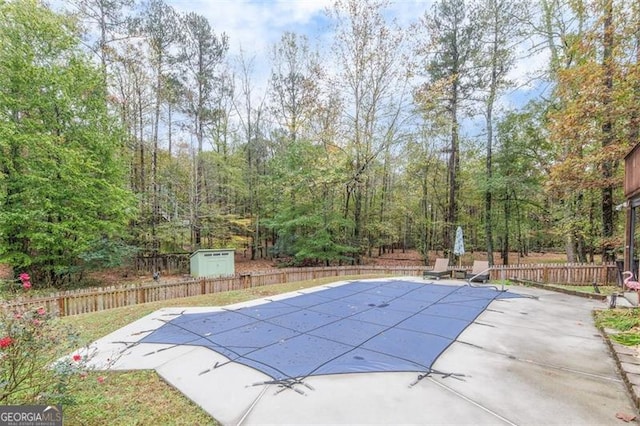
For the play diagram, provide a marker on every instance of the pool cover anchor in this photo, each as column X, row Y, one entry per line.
column 172, row 314
column 213, row 367
column 429, row 373
column 128, row 345
column 137, row 333
column 161, row 350
column 285, row 384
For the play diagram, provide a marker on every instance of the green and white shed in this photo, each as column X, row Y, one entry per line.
column 213, row 263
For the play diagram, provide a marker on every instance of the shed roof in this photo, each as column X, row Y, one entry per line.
column 211, row 251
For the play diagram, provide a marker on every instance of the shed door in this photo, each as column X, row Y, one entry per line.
column 217, row 263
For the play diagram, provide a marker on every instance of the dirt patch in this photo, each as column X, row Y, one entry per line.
column 413, row 258
column 245, row 265
column 5, row 272
column 396, row 258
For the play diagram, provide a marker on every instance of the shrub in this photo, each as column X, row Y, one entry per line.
column 30, row 343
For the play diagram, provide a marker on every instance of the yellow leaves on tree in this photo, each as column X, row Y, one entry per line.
column 576, row 125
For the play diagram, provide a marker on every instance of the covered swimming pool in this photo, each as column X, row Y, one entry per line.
column 358, row 327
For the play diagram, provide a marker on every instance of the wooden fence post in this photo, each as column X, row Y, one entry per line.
column 140, row 298
column 245, row 280
column 61, row 307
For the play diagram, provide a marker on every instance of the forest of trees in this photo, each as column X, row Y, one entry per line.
column 130, row 129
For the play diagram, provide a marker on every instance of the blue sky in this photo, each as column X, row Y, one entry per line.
column 255, row 26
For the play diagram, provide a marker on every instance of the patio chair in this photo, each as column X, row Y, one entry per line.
column 479, row 272
column 440, row 269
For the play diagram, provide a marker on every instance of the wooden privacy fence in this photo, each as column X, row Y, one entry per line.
column 568, row 273
column 102, row 298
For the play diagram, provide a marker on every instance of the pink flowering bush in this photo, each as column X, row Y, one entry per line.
column 31, row 341
column 25, row 280
column 5, row 342
column 19, row 286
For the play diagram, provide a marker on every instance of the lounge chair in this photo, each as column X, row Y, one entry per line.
column 440, row 269
column 480, row 271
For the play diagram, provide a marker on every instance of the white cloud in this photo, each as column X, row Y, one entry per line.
column 253, row 27
column 257, row 25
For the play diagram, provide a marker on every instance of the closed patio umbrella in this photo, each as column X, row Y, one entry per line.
column 458, row 247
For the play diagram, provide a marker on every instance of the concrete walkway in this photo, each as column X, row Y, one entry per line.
column 524, row 361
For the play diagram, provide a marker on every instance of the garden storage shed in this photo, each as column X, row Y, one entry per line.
column 212, row 263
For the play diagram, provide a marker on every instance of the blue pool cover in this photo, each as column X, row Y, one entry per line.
column 358, row 327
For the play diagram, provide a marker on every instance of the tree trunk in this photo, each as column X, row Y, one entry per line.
column 488, row 223
column 608, row 253
column 454, row 166
column 507, row 219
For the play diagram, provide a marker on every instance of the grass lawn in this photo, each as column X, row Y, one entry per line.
column 142, row 397
column 625, row 323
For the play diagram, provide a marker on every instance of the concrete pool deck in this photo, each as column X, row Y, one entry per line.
column 530, row 360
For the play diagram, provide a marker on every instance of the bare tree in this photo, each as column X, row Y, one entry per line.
column 158, row 25
column 251, row 110
column 373, row 84
column 500, row 22
column 294, row 84
column 202, row 53
column 111, row 21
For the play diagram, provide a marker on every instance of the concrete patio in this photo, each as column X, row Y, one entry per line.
column 538, row 359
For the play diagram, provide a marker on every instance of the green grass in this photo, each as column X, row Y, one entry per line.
column 131, row 398
column 627, row 339
column 142, row 397
column 625, row 323
column 619, row 319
